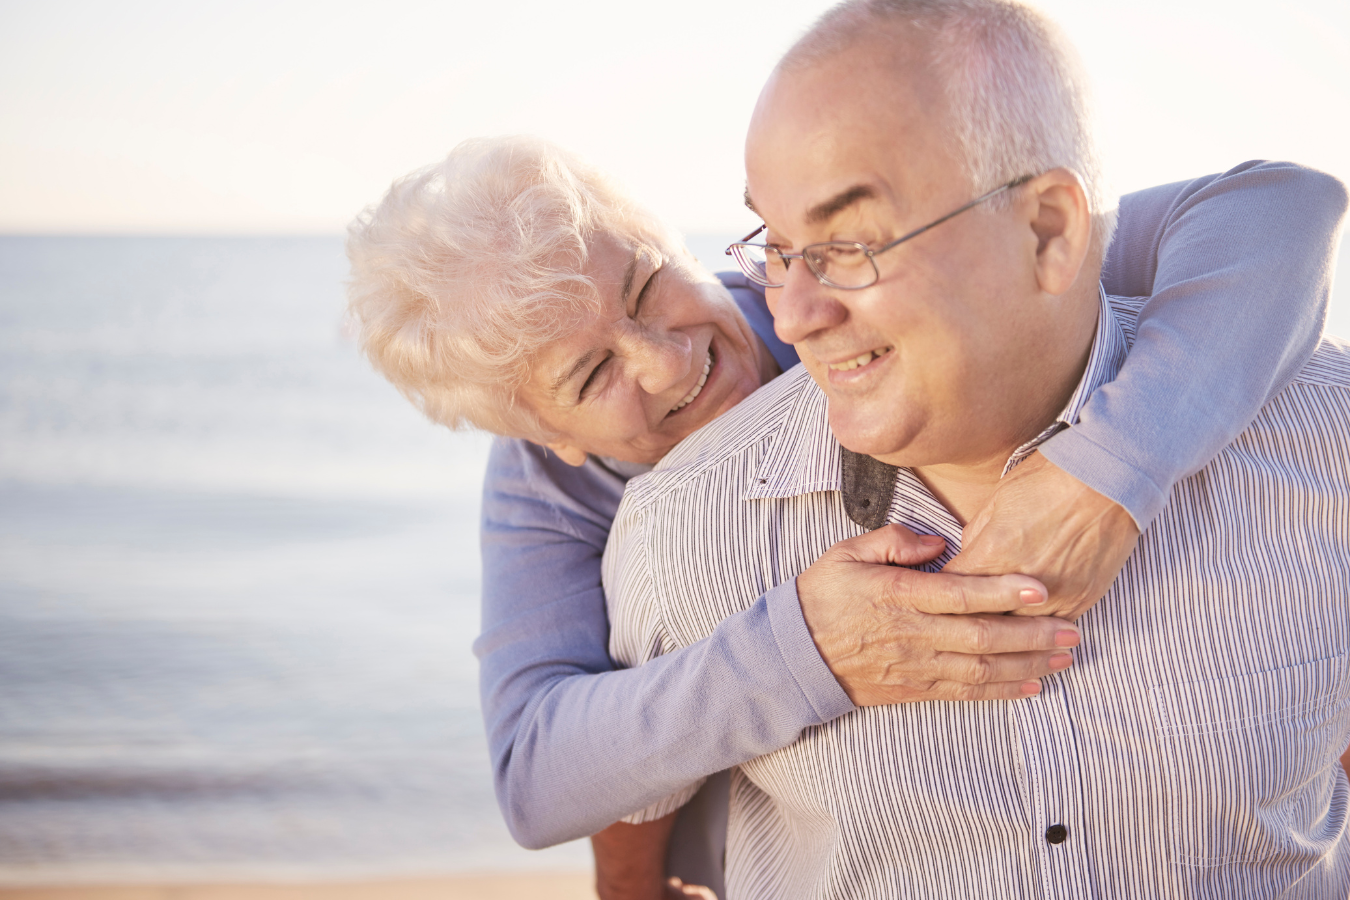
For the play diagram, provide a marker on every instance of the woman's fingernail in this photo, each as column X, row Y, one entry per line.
column 1061, row 661
column 931, row 539
column 1067, row 638
column 1031, row 688
column 1032, row 597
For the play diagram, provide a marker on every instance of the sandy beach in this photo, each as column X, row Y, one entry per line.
column 554, row 886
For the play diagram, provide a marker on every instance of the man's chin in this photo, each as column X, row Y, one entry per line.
column 857, row 430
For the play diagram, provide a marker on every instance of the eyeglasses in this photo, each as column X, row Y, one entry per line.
column 847, row 265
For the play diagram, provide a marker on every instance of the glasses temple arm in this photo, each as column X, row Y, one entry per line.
column 746, row 238
column 1016, row 182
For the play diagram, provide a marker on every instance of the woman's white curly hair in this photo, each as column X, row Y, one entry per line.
column 469, row 266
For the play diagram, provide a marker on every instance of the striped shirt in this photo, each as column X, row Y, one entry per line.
column 1192, row 749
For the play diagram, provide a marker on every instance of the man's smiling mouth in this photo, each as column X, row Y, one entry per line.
column 860, row 360
column 698, row 388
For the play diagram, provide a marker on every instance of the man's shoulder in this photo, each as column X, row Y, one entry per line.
column 1305, row 428
column 737, row 433
column 1329, row 366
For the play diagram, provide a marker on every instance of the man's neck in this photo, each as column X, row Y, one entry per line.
column 965, row 486
column 963, row 489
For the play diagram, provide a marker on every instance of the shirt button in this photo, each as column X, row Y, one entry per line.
column 1056, row 834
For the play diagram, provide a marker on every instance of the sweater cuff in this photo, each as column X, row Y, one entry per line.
column 1107, row 474
column 808, row 669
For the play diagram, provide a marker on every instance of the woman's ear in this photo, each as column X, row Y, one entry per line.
column 569, row 454
column 1062, row 223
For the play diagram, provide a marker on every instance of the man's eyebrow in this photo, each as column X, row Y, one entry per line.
column 561, row 381
column 823, row 212
column 750, row 204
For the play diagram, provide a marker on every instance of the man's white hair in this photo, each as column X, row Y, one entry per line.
column 1018, row 96
column 469, row 266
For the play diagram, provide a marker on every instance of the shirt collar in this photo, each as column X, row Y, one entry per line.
column 804, row 456
column 1104, row 361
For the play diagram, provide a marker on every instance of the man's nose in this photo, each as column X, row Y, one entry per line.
column 803, row 306
column 661, row 360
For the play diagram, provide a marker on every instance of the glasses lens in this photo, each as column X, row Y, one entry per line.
column 758, row 266
column 842, row 263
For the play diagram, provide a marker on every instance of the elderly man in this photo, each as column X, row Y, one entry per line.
column 935, row 230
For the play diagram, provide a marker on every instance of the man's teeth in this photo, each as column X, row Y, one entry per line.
column 860, row 360
column 698, row 388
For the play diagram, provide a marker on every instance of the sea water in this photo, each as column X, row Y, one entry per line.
column 238, row 579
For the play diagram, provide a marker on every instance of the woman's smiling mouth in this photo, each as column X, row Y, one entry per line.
column 698, row 388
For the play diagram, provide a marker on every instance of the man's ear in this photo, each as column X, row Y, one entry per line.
column 569, row 454
column 1063, row 226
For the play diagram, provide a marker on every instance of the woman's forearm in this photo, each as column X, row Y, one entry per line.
column 576, row 745
column 587, row 749
column 1238, row 270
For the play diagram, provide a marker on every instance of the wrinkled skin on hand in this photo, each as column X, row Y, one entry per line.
column 896, row 635
column 1043, row 522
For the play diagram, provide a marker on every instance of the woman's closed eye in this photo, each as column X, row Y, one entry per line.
column 594, row 379
column 642, row 295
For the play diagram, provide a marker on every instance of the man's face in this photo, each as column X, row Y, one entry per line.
column 666, row 352
column 918, row 368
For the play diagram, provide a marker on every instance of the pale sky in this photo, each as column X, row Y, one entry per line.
column 280, row 116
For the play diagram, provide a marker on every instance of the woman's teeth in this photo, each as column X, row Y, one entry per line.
column 861, row 360
column 698, row 388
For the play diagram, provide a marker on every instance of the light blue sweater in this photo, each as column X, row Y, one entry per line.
column 1238, row 267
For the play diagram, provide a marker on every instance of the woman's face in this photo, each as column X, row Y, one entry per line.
column 666, row 352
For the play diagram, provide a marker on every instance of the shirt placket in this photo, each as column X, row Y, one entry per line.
column 1058, row 831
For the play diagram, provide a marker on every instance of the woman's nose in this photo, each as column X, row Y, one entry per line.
column 661, row 360
column 803, row 306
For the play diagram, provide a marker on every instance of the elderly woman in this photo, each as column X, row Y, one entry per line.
column 513, row 288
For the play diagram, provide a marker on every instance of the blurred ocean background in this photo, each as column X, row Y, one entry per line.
column 238, row 577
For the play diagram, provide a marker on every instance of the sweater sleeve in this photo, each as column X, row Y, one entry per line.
column 575, row 744
column 1238, row 269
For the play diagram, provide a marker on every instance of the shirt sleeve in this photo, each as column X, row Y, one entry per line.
column 1238, row 269
column 576, row 744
